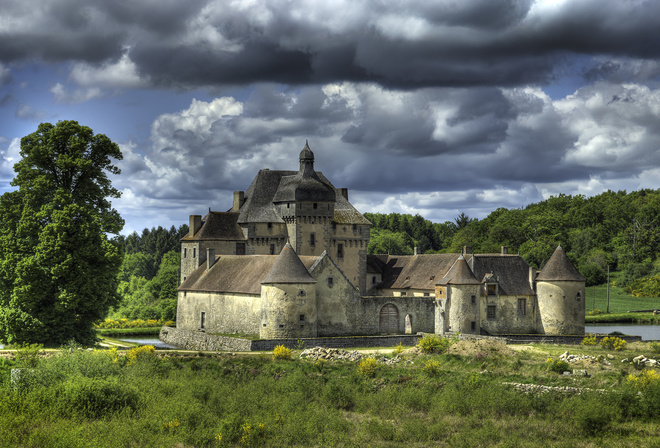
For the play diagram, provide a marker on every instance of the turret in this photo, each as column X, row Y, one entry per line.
column 457, row 300
column 560, row 290
column 288, row 299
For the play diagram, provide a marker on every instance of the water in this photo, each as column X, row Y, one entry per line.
column 148, row 341
column 647, row 332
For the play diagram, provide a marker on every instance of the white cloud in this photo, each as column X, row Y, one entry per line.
column 8, row 157
column 62, row 95
column 120, row 74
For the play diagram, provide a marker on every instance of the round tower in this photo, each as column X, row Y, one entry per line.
column 460, row 310
column 560, row 290
column 288, row 299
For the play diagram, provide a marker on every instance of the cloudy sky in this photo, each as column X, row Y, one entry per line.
column 429, row 107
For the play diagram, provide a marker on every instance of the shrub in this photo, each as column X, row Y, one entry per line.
column 281, row 352
column 339, row 396
column 432, row 343
column 558, row 366
column 367, row 367
column 97, row 397
column 27, row 355
column 398, row 349
column 589, row 340
column 431, row 368
column 613, row 343
column 643, row 380
column 655, row 346
column 139, row 353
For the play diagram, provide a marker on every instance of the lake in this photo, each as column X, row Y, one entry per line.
column 647, row 332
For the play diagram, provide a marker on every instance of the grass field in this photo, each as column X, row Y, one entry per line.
column 78, row 398
column 620, row 300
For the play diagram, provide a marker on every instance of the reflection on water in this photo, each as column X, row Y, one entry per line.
column 647, row 332
column 148, row 341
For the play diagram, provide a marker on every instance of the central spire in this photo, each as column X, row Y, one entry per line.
column 306, row 158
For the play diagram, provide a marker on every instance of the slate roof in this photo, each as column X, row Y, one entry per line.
column 559, row 268
column 512, row 270
column 218, row 226
column 236, row 274
column 412, row 271
column 288, row 268
column 459, row 274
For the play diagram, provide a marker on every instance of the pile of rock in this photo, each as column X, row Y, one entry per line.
column 330, row 354
column 566, row 356
column 642, row 360
column 539, row 389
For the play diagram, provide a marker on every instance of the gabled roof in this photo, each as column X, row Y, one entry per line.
column 459, row 274
column 559, row 268
column 219, row 226
column 236, row 274
column 511, row 270
column 288, row 269
column 412, row 271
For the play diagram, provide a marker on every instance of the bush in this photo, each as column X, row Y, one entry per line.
column 432, row 343
column 589, row 340
column 97, row 397
column 139, row 353
column 431, row 368
column 27, row 355
column 558, row 366
column 613, row 343
column 281, row 352
column 644, row 380
column 367, row 367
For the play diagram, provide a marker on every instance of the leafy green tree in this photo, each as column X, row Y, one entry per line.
column 58, row 268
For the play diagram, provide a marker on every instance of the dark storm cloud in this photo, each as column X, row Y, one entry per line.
column 398, row 44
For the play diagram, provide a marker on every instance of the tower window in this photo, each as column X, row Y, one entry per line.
column 340, row 250
column 202, row 320
column 312, row 239
column 185, row 252
column 473, row 300
column 331, row 282
column 473, row 326
column 578, row 296
column 302, row 318
column 240, row 248
column 334, row 226
column 272, row 249
column 194, row 252
column 491, row 312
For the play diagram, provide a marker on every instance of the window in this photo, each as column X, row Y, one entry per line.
column 202, row 319
column 491, row 289
column 340, row 250
column 491, row 312
column 403, row 293
column 354, row 227
column 272, row 249
column 240, row 248
column 194, row 252
column 473, row 326
column 473, row 300
column 302, row 318
column 522, row 307
column 334, row 226
column 373, row 280
column 315, row 206
column 270, row 225
column 578, row 296
column 427, row 294
column 185, row 252
column 312, row 239
column 331, row 282
column 288, row 205
column 301, row 292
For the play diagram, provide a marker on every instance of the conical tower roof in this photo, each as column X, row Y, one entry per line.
column 288, row 269
column 459, row 274
column 306, row 154
column 559, row 268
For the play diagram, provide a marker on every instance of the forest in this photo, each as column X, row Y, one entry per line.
column 618, row 231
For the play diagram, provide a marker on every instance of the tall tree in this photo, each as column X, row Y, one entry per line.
column 58, row 268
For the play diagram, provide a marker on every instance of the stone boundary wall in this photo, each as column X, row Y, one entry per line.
column 197, row 340
column 540, row 338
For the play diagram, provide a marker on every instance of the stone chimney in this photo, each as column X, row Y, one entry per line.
column 505, row 250
column 210, row 258
column 239, row 200
column 344, row 192
column 466, row 250
column 532, row 278
column 415, row 250
column 195, row 223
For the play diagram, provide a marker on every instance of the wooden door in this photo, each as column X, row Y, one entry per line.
column 389, row 319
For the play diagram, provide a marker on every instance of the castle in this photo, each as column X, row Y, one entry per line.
column 289, row 260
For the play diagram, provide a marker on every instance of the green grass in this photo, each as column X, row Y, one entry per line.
column 99, row 399
column 620, row 300
column 118, row 332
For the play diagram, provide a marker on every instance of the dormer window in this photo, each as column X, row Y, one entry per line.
column 491, row 289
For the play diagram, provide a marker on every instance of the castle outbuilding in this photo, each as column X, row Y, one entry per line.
column 289, row 260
